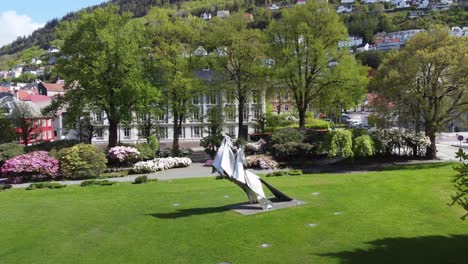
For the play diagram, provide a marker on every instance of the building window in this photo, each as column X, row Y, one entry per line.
column 254, row 97
column 197, row 131
column 211, row 98
column 196, row 100
column 278, row 97
column 99, row 133
column 160, row 117
column 230, row 115
column 44, row 135
column 98, row 117
column 286, row 107
column 55, row 133
column 232, row 130
column 286, row 97
column 126, row 132
column 196, row 115
column 246, row 114
column 257, row 113
column 49, row 122
column 162, row 132
column 230, row 97
column 182, row 133
column 44, row 122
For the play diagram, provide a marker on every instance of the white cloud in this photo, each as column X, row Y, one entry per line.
column 14, row 25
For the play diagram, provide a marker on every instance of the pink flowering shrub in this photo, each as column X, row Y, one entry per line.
column 33, row 166
column 123, row 156
column 261, row 161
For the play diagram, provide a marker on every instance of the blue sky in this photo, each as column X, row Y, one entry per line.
column 41, row 11
column 22, row 17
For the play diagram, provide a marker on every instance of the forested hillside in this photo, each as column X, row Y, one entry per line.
column 365, row 21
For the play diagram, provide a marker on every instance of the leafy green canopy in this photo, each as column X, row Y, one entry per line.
column 427, row 81
column 304, row 46
column 102, row 65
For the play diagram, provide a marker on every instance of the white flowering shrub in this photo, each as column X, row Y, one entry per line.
column 160, row 164
column 256, row 147
column 261, row 161
column 392, row 141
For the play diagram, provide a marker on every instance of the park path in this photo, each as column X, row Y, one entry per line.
column 196, row 170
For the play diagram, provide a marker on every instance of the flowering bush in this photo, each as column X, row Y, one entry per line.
column 160, row 164
column 392, row 141
column 258, row 147
column 33, row 166
column 122, row 155
column 261, row 161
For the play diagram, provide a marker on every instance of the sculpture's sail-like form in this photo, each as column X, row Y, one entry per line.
column 232, row 167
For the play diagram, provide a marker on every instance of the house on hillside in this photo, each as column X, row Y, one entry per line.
column 344, row 9
column 200, row 51
column 249, row 17
column 53, row 50
column 206, row 16
column 459, row 32
column 352, row 41
column 274, row 7
column 51, row 89
column 223, row 13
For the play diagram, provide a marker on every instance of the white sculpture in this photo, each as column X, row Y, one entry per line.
column 231, row 167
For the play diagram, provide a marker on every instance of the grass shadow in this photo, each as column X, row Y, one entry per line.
column 190, row 212
column 429, row 250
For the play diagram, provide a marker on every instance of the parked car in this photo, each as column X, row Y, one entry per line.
column 344, row 119
column 354, row 123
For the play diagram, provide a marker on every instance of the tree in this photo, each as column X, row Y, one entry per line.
column 24, row 119
column 173, row 41
column 212, row 142
column 304, row 46
column 461, row 182
column 427, row 81
column 102, row 66
column 7, row 132
column 238, row 59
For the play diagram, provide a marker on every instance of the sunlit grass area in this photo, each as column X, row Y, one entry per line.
column 399, row 215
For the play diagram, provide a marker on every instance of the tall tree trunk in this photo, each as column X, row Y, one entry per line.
column 240, row 114
column 302, row 116
column 113, row 126
column 177, row 129
column 431, row 151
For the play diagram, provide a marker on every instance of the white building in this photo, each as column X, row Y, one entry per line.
column 206, row 16
column 459, row 32
column 344, row 9
column 352, row 41
column 200, row 51
column 223, row 13
column 53, row 50
column 367, row 47
column 274, row 7
column 423, row 4
column 194, row 126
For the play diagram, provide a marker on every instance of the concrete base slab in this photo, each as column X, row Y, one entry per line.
column 251, row 209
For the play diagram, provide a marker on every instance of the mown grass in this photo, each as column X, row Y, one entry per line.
column 399, row 215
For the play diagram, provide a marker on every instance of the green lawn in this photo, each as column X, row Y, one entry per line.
column 394, row 216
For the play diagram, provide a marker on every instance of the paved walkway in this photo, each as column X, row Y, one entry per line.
column 196, row 170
